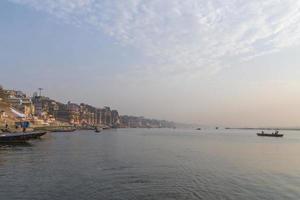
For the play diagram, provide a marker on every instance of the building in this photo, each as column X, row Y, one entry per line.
column 115, row 118
column 74, row 113
column 20, row 102
column 88, row 115
column 45, row 108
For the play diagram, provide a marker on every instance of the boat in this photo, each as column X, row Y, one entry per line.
column 97, row 130
column 20, row 137
column 269, row 135
column 198, row 129
column 276, row 134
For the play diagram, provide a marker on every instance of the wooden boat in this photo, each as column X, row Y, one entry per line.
column 276, row 134
column 20, row 137
column 97, row 130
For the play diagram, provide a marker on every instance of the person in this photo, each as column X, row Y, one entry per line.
column 6, row 126
column 24, row 125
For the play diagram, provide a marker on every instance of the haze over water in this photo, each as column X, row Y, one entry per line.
column 153, row 164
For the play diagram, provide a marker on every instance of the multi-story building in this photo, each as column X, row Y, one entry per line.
column 99, row 114
column 115, row 118
column 45, row 106
column 20, row 101
column 107, row 116
column 63, row 114
column 42, row 107
column 74, row 113
column 88, row 115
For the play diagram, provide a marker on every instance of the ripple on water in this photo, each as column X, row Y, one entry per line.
column 141, row 165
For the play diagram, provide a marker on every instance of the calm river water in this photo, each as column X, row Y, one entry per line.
column 154, row 164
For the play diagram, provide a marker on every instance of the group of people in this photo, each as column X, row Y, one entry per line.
column 276, row 132
column 22, row 125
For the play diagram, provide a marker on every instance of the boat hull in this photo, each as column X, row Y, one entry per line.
column 20, row 137
column 269, row 135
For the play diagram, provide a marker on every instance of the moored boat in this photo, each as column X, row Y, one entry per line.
column 20, row 137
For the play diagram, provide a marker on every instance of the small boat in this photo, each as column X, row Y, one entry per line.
column 20, row 137
column 276, row 134
column 198, row 129
column 97, row 130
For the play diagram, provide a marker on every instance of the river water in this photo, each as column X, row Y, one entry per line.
column 152, row 164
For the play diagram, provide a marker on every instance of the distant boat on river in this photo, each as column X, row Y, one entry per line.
column 276, row 134
column 97, row 129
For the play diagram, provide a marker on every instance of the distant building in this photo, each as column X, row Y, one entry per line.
column 99, row 114
column 45, row 107
column 115, row 118
column 19, row 101
column 141, row 122
column 74, row 113
column 42, row 108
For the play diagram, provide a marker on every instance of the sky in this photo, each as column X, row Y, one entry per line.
column 210, row 62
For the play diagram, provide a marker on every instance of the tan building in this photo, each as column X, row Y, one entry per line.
column 22, row 104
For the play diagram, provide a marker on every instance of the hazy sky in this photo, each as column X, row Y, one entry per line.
column 212, row 62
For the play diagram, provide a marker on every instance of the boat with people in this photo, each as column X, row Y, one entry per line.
column 20, row 137
column 97, row 129
column 275, row 134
